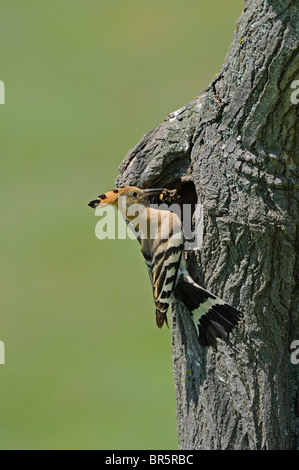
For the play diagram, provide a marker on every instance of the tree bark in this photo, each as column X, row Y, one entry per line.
column 235, row 149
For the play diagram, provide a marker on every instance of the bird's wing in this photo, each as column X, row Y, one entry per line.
column 166, row 261
column 162, row 257
column 147, row 255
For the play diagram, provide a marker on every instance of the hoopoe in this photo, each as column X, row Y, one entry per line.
column 162, row 246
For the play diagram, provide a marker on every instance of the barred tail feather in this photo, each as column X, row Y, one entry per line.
column 212, row 317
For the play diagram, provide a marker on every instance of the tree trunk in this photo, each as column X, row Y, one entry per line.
column 235, row 150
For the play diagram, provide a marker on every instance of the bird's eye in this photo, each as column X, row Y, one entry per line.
column 134, row 194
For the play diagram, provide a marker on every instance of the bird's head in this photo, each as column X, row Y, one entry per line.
column 132, row 195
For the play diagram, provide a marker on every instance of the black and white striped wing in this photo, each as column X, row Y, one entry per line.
column 163, row 268
column 165, row 264
column 162, row 255
column 149, row 263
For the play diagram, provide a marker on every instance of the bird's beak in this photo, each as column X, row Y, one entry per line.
column 150, row 192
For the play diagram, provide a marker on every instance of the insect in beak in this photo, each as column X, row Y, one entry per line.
column 150, row 192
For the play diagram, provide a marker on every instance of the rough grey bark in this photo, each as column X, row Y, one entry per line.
column 235, row 150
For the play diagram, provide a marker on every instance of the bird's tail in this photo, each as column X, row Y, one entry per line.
column 212, row 317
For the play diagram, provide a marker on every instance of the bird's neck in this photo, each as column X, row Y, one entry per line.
column 142, row 217
column 135, row 214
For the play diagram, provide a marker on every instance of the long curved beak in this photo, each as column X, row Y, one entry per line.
column 150, row 192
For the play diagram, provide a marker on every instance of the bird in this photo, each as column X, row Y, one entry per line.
column 160, row 233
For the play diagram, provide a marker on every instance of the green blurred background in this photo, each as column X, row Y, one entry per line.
column 86, row 367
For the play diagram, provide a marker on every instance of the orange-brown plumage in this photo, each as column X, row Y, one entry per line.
column 110, row 197
column 161, row 237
